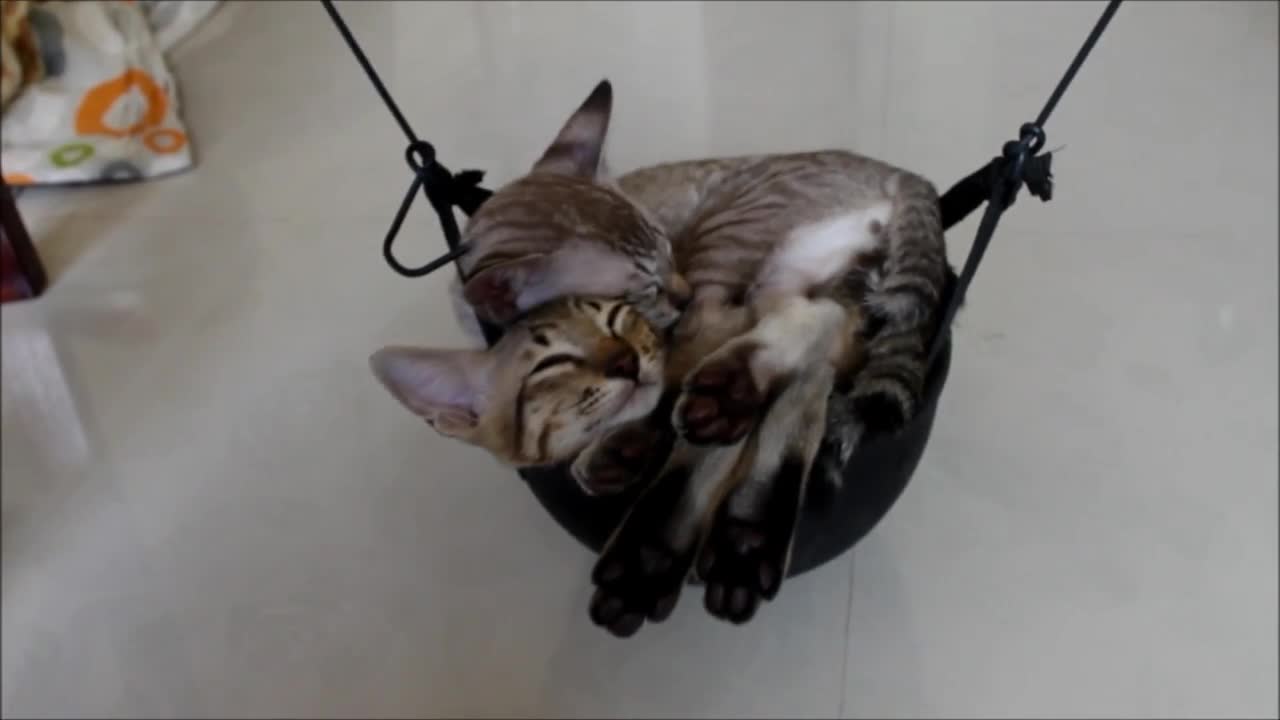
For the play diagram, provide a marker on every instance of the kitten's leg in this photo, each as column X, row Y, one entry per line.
column 646, row 562
column 640, row 573
column 727, row 393
column 748, row 547
column 843, row 434
column 883, row 397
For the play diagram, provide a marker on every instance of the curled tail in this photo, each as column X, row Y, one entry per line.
column 902, row 298
column 905, row 292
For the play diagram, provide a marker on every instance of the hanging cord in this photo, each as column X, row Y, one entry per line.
column 998, row 182
column 443, row 189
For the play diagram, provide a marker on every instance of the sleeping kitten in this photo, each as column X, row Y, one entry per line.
column 563, row 230
column 557, row 231
column 839, row 263
column 557, row 379
column 804, row 272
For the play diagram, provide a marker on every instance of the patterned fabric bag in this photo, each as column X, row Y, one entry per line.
column 88, row 94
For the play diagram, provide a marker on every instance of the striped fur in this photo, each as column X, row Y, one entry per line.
column 744, row 290
column 565, row 374
column 563, row 230
column 723, row 235
column 730, row 220
column 900, row 288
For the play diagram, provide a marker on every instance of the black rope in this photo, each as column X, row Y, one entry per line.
column 998, row 182
column 1070, row 75
column 443, row 189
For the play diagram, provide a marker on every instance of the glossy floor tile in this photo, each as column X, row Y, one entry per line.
column 210, row 508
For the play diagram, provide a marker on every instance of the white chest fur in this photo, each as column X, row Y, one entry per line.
column 816, row 253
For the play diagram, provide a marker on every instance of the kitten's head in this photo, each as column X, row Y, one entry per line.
column 560, row 376
column 565, row 229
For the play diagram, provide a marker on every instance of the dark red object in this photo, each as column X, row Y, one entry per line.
column 22, row 275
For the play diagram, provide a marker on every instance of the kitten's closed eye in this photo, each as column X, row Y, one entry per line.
column 556, row 360
column 615, row 313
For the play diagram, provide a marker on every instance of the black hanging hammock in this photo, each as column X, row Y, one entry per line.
column 880, row 469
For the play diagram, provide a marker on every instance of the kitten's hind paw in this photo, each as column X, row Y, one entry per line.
column 744, row 561
column 720, row 402
column 640, row 574
column 736, row 576
column 637, row 582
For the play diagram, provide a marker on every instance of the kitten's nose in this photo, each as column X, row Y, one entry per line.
column 622, row 363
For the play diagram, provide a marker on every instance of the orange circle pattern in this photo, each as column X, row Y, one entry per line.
column 91, row 115
column 163, row 141
column 97, row 102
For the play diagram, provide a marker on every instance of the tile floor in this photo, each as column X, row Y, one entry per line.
column 211, row 509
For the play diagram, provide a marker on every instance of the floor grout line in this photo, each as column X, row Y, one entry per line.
column 848, row 642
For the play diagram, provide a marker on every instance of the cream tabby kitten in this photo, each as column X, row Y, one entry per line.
column 801, row 273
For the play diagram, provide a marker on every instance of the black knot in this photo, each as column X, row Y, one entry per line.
column 466, row 192
column 1033, row 136
column 443, row 187
column 1038, row 175
column 444, row 192
column 1021, row 164
column 420, row 155
column 1030, row 141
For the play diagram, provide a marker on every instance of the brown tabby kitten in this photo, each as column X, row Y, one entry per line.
column 558, row 232
column 568, row 370
column 784, row 256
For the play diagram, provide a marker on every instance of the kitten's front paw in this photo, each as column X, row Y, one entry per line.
column 839, row 441
column 826, row 477
column 720, row 402
column 619, row 460
column 640, row 574
column 744, row 560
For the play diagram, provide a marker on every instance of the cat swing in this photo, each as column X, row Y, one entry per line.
column 880, row 469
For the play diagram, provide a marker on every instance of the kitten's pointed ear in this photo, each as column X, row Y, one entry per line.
column 495, row 293
column 579, row 146
column 444, row 387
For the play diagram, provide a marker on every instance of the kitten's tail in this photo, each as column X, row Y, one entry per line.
column 909, row 286
column 902, row 303
column 887, row 391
